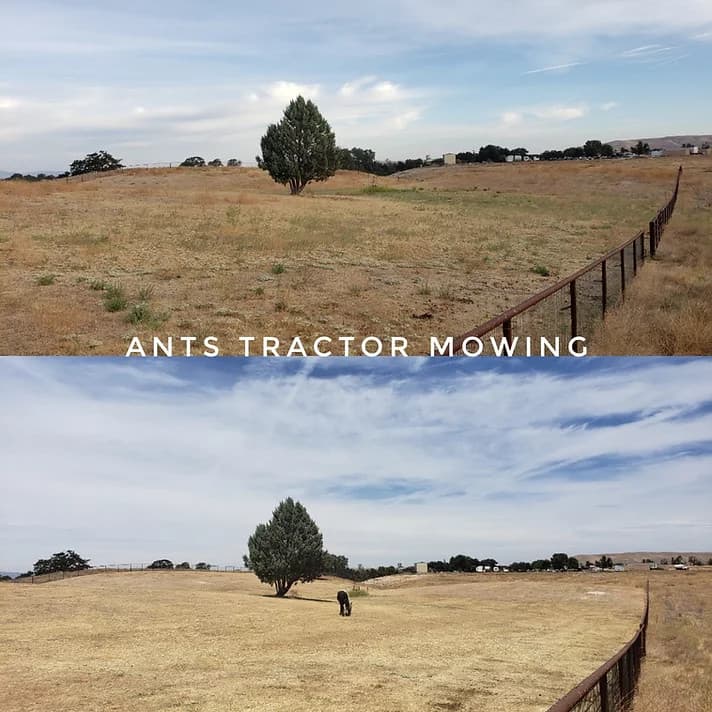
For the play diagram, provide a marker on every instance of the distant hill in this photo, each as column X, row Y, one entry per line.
column 10, row 573
column 5, row 174
column 636, row 557
column 670, row 143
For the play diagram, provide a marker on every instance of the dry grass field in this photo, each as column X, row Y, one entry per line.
column 669, row 309
column 676, row 674
column 157, row 641
column 85, row 265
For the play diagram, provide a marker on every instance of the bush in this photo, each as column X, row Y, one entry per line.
column 193, row 162
column 161, row 564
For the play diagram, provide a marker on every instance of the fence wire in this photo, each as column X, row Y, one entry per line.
column 612, row 686
column 572, row 307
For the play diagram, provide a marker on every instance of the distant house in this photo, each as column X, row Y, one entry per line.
column 449, row 159
column 421, row 567
column 657, row 153
column 619, row 567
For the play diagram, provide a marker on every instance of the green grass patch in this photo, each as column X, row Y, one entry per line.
column 141, row 314
column 115, row 298
column 541, row 270
column 278, row 268
column 46, row 279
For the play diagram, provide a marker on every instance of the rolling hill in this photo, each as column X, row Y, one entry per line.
column 670, row 143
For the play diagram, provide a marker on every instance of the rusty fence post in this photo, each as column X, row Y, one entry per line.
column 623, row 273
column 507, row 330
column 651, row 229
column 574, row 310
column 604, row 288
column 603, row 692
column 635, row 258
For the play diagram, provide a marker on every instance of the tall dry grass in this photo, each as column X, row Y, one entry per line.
column 432, row 252
column 677, row 673
column 668, row 308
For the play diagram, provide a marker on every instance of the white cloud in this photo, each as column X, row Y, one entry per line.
column 607, row 106
column 149, row 459
column 512, row 118
column 286, row 91
column 348, row 89
column 561, row 113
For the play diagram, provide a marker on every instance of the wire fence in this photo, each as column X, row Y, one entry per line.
column 133, row 168
column 612, row 686
column 119, row 568
column 572, row 307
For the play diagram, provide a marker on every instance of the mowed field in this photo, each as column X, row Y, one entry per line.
column 85, row 265
column 156, row 641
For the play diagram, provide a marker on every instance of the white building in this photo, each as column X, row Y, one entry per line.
column 449, row 159
column 421, row 567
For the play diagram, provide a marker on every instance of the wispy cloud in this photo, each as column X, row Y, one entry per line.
column 554, row 68
column 405, row 460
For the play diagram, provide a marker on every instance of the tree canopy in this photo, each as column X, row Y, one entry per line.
column 287, row 549
column 299, row 149
column 193, row 162
column 161, row 564
column 92, row 162
column 63, row 561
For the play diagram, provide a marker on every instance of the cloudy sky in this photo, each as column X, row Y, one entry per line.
column 159, row 81
column 396, row 459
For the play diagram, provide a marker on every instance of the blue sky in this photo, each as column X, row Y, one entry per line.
column 396, row 459
column 159, row 81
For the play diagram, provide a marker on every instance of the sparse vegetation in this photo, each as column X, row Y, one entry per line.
column 174, row 233
column 115, row 298
column 278, row 268
column 45, row 280
column 541, row 270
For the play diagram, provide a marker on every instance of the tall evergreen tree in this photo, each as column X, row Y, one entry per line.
column 287, row 549
column 299, row 149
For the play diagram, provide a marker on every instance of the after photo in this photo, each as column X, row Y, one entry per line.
column 420, row 534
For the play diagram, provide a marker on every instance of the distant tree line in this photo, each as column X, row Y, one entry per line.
column 199, row 162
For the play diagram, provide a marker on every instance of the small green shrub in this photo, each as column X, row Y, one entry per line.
column 145, row 294
column 115, row 298
column 46, row 279
column 278, row 268
column 541, row 270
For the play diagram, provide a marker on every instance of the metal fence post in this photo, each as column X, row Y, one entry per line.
column 574, row 313
column 507, row 330
column 623, row 273
column 651, row 228
column 604, row 288
column 603, row 691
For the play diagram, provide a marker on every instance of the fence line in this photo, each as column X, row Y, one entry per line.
column 612, row 686
column 574, row 305
column 119, row 568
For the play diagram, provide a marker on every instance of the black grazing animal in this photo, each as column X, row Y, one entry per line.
column 344, row 604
